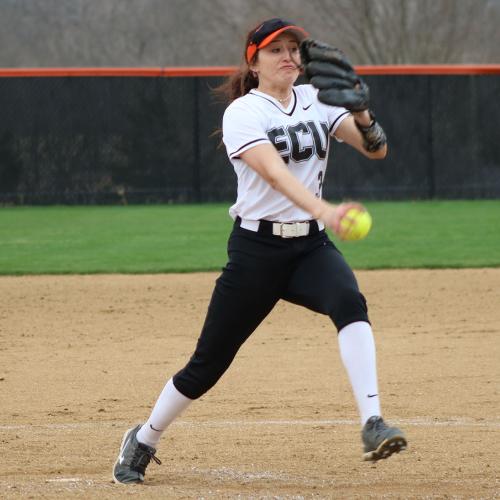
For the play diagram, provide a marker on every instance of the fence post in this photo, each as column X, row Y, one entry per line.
column 431, row 170
column 196, row 142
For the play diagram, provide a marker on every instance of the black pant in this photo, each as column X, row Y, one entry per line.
column 262, row 269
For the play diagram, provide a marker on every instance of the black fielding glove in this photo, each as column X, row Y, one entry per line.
column 328, row 69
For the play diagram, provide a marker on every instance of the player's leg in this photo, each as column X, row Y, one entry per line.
column 245, row 293
column 243, row 296
column 249, row 287
column 325, row 283
column 357, row 350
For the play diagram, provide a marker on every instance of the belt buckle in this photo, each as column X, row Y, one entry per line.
column 294, row 229
column 288, row 230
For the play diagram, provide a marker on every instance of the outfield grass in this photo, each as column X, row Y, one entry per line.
column 185, row 238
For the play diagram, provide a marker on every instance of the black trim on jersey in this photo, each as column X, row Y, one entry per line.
column 247, row 144
column 338, row 118
column 274, row 104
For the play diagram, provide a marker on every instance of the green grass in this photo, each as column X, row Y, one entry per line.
column 435, row 234
column 185, row 238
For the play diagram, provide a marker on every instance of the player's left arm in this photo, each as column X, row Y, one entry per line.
column 349, row 132
column 328, row 69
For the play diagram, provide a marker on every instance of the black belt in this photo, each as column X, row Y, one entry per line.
column 285, row 229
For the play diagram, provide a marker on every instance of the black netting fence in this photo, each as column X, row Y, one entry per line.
column 90, row 140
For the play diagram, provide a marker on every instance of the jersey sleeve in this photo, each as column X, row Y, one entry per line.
column 337, row 115
column 242, row 129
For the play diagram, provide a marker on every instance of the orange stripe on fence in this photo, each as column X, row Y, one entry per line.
column 413, row 69
column 430, row 69
column 137, row 72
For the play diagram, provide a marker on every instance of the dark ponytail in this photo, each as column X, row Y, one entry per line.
column 238, row 84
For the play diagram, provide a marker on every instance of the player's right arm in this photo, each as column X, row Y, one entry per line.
column 267, row 162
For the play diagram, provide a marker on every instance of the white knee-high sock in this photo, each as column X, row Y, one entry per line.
column 357, row 350
column 168, row 407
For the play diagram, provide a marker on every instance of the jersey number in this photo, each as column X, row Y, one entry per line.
column 320, row 184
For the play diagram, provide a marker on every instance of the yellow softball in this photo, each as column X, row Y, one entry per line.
column 355, row 224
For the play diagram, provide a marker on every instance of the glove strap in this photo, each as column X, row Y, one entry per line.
column 374, row 136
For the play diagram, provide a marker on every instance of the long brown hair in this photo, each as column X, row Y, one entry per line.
column 241, row 81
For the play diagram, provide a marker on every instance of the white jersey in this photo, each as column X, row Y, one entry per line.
column 301, row 135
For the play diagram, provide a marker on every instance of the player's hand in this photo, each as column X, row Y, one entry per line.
column 333, row 215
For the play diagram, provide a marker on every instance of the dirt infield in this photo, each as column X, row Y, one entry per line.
column 84, row 357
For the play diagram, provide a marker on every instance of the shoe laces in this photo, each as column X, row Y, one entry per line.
column 155, row 458
column 142, row 456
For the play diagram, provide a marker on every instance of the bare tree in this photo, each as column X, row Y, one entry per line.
column 423, row 31
column 211, row 32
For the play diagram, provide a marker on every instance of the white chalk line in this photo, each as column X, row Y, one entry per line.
column 417, row 422
column 65, row 480
column 224, row 475
column 230, row 475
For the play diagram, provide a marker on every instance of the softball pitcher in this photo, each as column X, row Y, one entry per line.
column 277, row 138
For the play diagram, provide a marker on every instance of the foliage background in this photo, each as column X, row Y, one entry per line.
column 211, row 32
